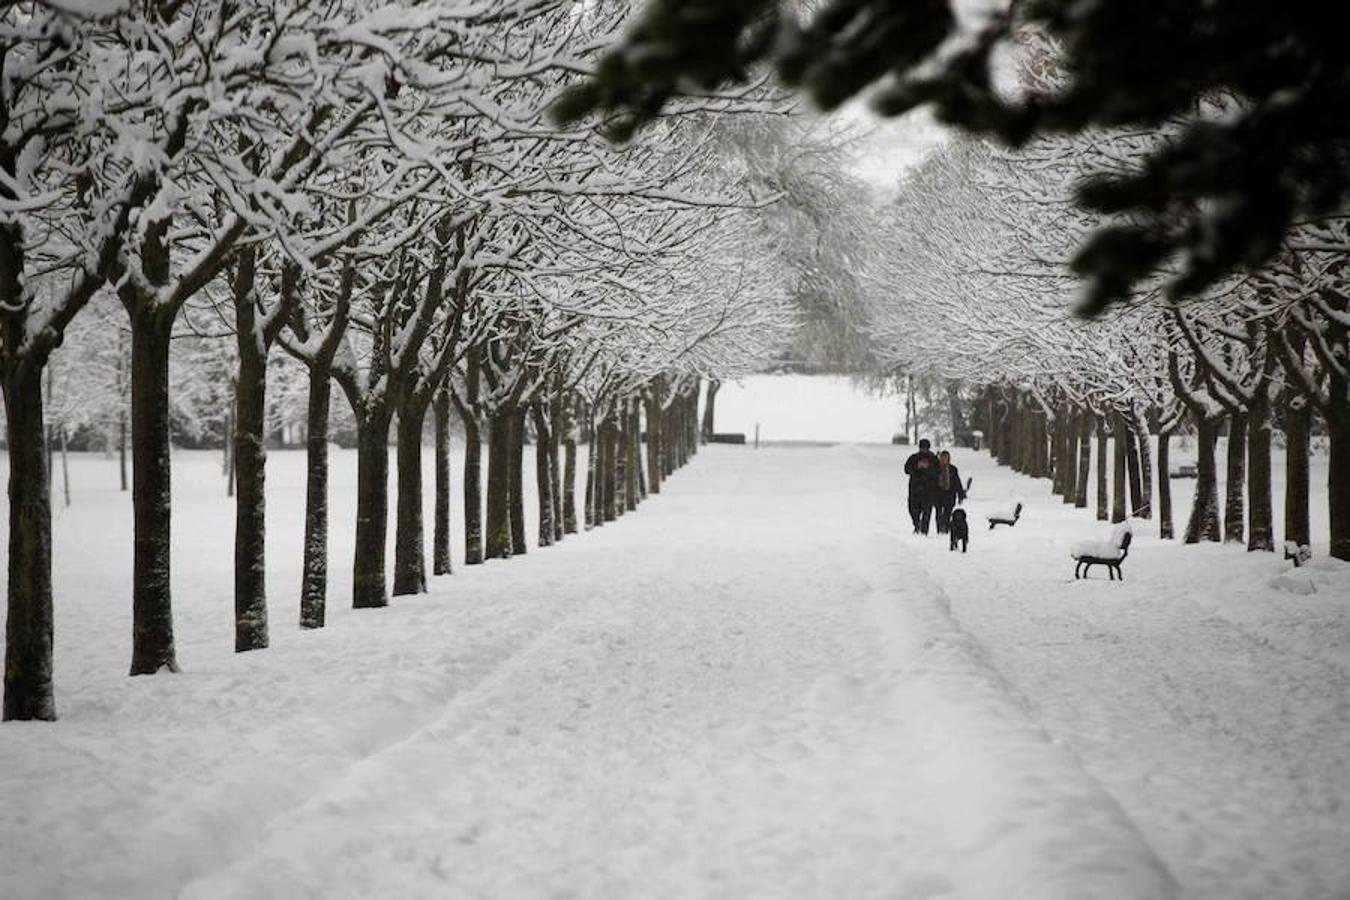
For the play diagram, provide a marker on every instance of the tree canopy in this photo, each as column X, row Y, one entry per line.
column 1253, row 96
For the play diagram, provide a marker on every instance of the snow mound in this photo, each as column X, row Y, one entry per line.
column 1323, row 575
column 1294, row 582
column 1019, row 814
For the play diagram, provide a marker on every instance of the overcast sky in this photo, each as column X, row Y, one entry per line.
column 897, row 144
column 893, row 145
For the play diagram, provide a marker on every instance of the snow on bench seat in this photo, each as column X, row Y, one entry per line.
column 1096, row 550
column 1006, row 515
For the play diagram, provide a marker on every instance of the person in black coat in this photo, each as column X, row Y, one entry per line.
column 922, row 469
column 948, row 490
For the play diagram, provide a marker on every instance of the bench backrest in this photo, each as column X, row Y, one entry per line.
column 1121, row 536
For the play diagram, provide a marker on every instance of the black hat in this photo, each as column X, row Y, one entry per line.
column 924, row 444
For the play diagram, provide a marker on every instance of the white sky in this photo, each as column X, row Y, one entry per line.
column 894, row 145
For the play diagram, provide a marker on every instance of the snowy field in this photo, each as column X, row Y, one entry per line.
column 760, row 685
column 807, row 408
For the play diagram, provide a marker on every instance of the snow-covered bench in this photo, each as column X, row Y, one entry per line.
column 1006, row 516
column 1298, row 554
column 1110, row 553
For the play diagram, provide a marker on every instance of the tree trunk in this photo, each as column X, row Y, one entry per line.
column 620, row 461
column 1040, row 445
column 669, row 438
column 1260, row 516
column 1080, row 499
column 1069, row 461
column 633, row 471
column 1118, row 455
column 1102, row 502
column 556, row 427
column 688, row 413
column 609, row 473
column 691, row 417
column 653, row 446
column 440, row 538
column 250, row 468
column 1045, row 446
column 569, row 480
column 372, row 509
column 691, row 423
column 1008, row 427
column 410, row 564
column 1233, row 509
column 543, row 478
column 1338, row 479
column 1204, row 521
column 314, row 580
column 1164, row 486
column 991, row 423
column 1297, row 480
column 1056, row 456
column 28, row 625
column 1058, row 445
column 1145, row 465
column 152, row 644
column 592, row 466
column 499, row 485
column 1138, row 504
column 999, row 444
column 517, row 470
column 473, row 489
column 710, row 409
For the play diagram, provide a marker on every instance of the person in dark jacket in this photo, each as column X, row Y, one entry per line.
column 948, row 491
column 922, row 469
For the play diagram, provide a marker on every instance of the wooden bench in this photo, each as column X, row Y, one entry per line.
column 1110, row 553
column 1005, row 517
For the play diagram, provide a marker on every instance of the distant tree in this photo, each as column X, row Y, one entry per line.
column 1258, row 91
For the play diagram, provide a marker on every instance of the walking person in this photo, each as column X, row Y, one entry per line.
column 948, row 491
column 922, row 469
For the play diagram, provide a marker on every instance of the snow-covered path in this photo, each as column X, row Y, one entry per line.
column 760, row 685
column 729, row 711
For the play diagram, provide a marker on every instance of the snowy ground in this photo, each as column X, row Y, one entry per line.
column 760, row 685
column 1214, row 707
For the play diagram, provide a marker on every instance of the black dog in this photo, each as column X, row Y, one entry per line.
column 959, row 530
